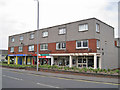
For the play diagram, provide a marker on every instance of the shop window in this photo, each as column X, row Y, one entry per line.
column 62, row 30
column 61, row 45
column 79, row 60
column 12, row 49
column 82, row 44
column 31, row 48
column 83, row 27
column 44, row 47
column 45, row 34
column 20, row 49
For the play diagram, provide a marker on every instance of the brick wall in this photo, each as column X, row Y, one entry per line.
column 70, row 48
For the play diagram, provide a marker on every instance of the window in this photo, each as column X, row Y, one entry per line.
column 62, row 31
column 45, row 34
column 12, row 49
column 31, row 48
column 83, row 27
column 97, row 28
column 98, row 43
column 82, row 44
column 12, row 39
column 21, row 38
column 61, row 45
column 31, row 36
column 20, row 49
column 44, row 47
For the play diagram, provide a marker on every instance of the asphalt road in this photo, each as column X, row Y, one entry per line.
column 11, row 79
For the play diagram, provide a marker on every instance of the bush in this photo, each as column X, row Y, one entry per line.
column 80, row 70
column 85, row 69
column 117, row 71
column 108, row 70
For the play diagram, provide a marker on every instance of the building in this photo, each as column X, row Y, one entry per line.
column 3, row 54
column 85, row 43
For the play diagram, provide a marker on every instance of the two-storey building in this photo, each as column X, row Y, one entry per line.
column 85, row 43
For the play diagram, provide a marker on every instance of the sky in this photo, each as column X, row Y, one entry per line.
column 19, row 16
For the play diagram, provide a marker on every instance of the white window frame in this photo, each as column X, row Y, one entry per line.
column 62, row 31
column 12, row 49
column 20, row 48
column 83, row 27
column 61, row 46
column 21, row 38
column 98, row 44
column 45, row 34
column 12, row 39
column 97, row 27
column 44, row 47
column 32, row 36
column 31, row 48
column 81, row 44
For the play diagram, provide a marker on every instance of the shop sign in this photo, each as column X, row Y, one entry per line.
column 44, row 54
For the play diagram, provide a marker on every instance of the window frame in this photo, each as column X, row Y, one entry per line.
column 12, row 39
column 44, row 47
column 44, row 35
column 81, row 46
column 20, row 38
column 30, row 50
column 85, row 25
column 19, row 49
column 63, row 30
column 11, row 49
column 98, row 44
column 32, row 36
column 61, row 45
column 97, row 28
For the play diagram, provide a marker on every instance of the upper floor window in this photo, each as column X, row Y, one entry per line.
column 31, row 48
column 97, row 27
column 12, row 49
column 82, row 44
column 98, row 46
column 20, row 49
column 83, row 27
column 62, row 30
column 45, row 34
column 12, row 39
column 61, row 45
column 21, row 38
column 44, row 47
column 32, row 36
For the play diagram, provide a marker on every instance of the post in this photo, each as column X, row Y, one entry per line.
column 70, row 61
column 8, row 59
column 52, row 60
column 95, row 61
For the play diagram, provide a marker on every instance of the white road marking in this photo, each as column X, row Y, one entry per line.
column 12, row 77
column 47, row 85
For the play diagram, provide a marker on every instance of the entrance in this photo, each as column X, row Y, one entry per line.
column 82, row 61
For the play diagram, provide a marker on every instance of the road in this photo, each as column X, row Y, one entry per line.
column 12, row 79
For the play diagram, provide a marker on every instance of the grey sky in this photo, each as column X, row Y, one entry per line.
column 18, row 16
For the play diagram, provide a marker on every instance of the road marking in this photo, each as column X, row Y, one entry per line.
column 47, row 85
column 12, row 77
column 68, row 78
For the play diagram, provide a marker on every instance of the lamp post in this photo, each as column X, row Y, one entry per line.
column 37, row 29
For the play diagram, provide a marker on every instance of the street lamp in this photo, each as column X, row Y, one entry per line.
column 37, row 29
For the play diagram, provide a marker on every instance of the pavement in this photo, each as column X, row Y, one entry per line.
column 112, row 81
